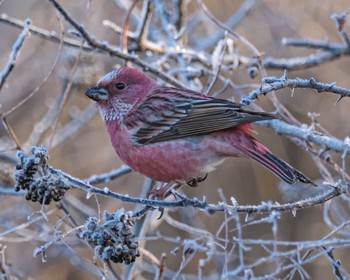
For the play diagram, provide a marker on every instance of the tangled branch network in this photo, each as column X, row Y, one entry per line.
column 165, row 39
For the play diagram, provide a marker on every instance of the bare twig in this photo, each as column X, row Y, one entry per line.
column 274, row 83
column 14, row 53
column 107, row 177
column 92, row 41
column 340, row 20
column 124, row 41
column 31, row 94
column 45, row 34
column 185, row 201
column 231, row 23
column 335, row 263
column 10, row 131
column 315, row 44
column 304, row 133
column 64, row 96
column 73, row 126
column 304, row 62
column 10, row 191
column 237, row 36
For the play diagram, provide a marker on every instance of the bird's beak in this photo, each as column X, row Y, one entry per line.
column 97, row 94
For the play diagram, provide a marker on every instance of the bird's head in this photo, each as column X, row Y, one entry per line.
column 119, row 91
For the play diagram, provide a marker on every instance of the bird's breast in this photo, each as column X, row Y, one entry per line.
column 180, row 159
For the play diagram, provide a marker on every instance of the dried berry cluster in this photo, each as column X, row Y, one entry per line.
column 113, row 239
column 33, row 176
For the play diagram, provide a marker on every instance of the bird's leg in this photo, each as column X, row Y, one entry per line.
column 164, row 191
column 193, row 182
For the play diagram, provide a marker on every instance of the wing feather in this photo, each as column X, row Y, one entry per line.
column 169, row 113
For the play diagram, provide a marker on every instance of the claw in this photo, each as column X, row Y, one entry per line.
column 199, row 179
column 161, row 210
column 194, row 181
column 163, row 193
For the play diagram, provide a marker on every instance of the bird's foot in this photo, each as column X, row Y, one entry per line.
column 195, row 181
column 164, row 191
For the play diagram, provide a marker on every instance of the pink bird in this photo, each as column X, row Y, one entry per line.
column 171, row 134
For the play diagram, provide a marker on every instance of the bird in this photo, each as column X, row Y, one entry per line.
column 172, row 134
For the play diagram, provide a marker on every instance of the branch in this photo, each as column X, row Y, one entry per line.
column 304, row 62
column 210, row 208
column 11, row 192
column 14, row 53
column 308, row 135
column 141, row 32
column 109, row 176
column 330, row 51
column 104, row 46
column 44, row 34
column 335, row 263
column 316, row 44
column 274, row 83
column 43, row 183
column 231, row 23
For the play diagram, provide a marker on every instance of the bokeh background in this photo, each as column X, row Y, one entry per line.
column 84, row 149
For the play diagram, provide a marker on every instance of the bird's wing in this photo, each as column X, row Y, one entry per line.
column 169, row 113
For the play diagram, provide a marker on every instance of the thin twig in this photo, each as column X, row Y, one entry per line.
column 274, row 83
column 73, row 126
column 63, row 98
column 142, row 29
column 10, row 131
column 17, row 46
column 31, row 94
column 335, row 263
column 124, row 41
column 231, row 23
column 304, row 62
column 308, row 135
column 11, row 192
column 109, row 176
column 92, row 41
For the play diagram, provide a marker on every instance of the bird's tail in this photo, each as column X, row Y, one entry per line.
column 282, row 169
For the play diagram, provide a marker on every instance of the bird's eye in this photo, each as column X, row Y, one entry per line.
column 120, row 86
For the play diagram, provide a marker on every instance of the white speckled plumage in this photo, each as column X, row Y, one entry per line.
column 116, row 111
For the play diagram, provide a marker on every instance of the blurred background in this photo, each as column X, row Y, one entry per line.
column 60, row 117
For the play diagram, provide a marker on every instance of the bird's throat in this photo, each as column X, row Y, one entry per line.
column 114, row 110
